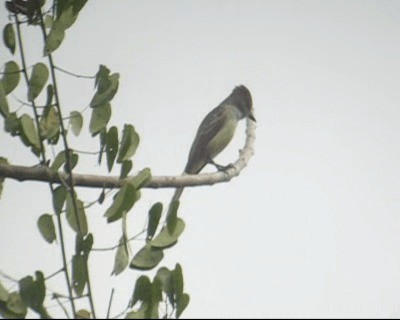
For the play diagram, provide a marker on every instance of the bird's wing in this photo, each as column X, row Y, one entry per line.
column 209, row 128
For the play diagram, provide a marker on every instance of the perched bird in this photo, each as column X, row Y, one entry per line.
column 216, row 131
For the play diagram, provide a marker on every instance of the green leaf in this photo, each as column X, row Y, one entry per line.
column 164, row 275
column 164, row 239
column 33, row 293
column 111, row 146
column 12, row 124
column 16, row 305
column 49, row 125
column 55, row 38
column 46, row 227
column 126, row 167
column 101, row 80
column 121, row 257
column 154, row 219
column 177, row 279
column 79, row 273
column 102, row 196
column 58, row 161
column 48, row 21
column 106, row 90
column 83, row 314
column 67, row 18
column 4, row 110
column 49, row 99
column 84, row 245
column 3, row 293
column 141, row 178
column 76, row 122
column 59, row 196
column 182, row 304
column 123, row 202
column 9, row 37
column 142, row 291
column 141, row 313
column 79, row 225
column 39, row 77
column 73, row 161
column 78, row 5
column 99, row 119
column 147, row 258
column 172, row 217
column 129, row 143
column 156, row 297
column 29, row 133
column 11, row 76
column 102, row 138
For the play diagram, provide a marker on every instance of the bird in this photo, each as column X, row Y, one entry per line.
column 215, row 132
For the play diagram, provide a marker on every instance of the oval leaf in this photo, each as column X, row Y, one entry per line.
column 9, row 37
column 177, row 279
column 79, row 273
column 83, row 314
column 121, row 257
column 4, row 110
column 142, row 291
column 141, row 178
column 182, row 304
column 106, row 90
column 164, row 275
column 49, row 124
column 154, row 219
column 99, row 119
column 76, row 122
column 111, row 147
column 33, row 292
column 77, row 220
column 55, row 38
column 39, row 77
column 46, row 227
column 29, row 132
column 164, row 239
column 59, row 196
column 126, row 167
column 147, row 258
column 129, row 143
column 122, row 203
column 11, row 76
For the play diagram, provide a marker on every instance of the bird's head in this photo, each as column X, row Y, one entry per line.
column 242, row 97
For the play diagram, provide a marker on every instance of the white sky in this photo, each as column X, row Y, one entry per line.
column 311, row 228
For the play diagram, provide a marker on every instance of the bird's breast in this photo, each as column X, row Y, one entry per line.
column 222, row 138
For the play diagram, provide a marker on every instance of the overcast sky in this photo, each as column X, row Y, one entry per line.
column 311, row 228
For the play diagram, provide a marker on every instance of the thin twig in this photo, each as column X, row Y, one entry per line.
column 54, row 274
column 109, row 303
column 135, row 237
column 56, row 297
column 9, row 278
column 73, row 74
column 91, row 153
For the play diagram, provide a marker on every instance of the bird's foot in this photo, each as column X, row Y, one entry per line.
column 220, row 167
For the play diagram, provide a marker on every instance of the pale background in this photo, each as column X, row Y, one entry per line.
column 311, row 228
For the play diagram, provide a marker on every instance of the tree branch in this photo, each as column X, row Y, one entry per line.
column 43, row 173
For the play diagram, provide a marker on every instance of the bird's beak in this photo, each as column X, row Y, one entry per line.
column 251, row 116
